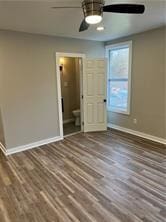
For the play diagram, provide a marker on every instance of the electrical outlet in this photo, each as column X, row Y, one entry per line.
column 135, row 121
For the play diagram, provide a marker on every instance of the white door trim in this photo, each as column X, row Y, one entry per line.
column 121, row 45
column 74, row 55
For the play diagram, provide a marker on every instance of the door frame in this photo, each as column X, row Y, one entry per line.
column 58, row 78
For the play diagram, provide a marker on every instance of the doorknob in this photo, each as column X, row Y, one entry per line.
column 104, row 100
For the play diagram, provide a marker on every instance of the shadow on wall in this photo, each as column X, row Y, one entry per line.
column 2, row 138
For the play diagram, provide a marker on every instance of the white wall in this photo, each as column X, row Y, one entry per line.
column 28, row 90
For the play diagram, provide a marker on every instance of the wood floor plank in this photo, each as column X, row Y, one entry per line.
column 93, row 177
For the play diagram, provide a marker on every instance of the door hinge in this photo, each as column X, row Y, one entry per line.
column 83, row 123
column 82, row 96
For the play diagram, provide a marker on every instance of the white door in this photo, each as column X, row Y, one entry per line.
column 94, row 95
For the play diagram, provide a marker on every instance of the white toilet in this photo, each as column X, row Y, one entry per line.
column 76, row 114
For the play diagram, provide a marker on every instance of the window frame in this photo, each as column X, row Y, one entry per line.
column 120, row 45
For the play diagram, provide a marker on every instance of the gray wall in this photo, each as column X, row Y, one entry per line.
column 147, row 94
column 165, row 75
column 2, row 137
column 29, row 93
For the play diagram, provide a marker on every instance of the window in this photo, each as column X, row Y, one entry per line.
column 119, row 77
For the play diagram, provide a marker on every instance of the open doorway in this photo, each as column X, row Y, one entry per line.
column 93, row 113
column 70, row 73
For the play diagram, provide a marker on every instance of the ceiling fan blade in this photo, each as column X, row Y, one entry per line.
column 84, row 26
column 125, row 8
column 65, row 7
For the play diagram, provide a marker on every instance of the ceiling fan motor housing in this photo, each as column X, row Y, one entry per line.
column 93, row 7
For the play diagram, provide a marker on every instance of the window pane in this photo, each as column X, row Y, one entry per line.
column 118, row 81
column 119, row 59
column 118, row 95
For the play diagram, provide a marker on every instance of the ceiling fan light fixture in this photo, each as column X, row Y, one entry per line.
column 93, row 19
column 93, row 11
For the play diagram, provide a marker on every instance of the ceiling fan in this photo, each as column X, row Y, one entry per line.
column 93, row 11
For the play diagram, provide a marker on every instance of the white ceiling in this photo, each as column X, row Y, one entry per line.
column 38, row 17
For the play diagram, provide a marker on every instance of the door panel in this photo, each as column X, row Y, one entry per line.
column 100, row 111
column 90, row 112
column 94, row 90
column 100, row 85
column 90, row 84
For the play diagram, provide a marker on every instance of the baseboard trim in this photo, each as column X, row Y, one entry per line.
column 31, row 145
column 68, row 121
column 2, row 148
column 137, row 133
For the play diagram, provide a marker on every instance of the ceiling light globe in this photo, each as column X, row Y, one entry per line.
column 100, row 28
column 93, row 19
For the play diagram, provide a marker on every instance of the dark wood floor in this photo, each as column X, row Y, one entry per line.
column 94, row 177
column 70, row 128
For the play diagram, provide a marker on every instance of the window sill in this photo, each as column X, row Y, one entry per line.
column 118, row 111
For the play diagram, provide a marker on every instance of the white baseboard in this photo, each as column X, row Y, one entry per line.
column 2, row 148
column 68, row 121
column 30, row 146
column 58, row 138
column 137, row 133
